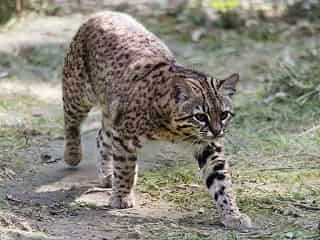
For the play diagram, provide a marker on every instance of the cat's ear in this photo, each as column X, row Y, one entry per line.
column 181, row 91
column 228, row 85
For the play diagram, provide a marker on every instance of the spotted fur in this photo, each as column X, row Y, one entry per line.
column 143, row 93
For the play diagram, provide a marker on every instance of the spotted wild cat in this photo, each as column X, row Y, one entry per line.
column 144, row 94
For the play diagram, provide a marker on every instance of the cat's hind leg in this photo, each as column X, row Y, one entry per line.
column 105, row 157
column 75, row 111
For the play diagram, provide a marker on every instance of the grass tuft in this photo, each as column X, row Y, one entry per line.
column 298, row 78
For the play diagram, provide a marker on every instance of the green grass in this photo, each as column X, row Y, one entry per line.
column 46, row 56
column 42, row 62
column 274, row 129
column 12, row 142
column 273, row 145
column 7, row 10
column 21, row 104
column 181, row 29
column 294, row 233
column 20, row 129
column 275, row 167
column 178, row 185
column 298, row 77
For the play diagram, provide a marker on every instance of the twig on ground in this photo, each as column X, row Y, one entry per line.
column 306, row 206
column 96, row 190
column 13, row 199
column 301, row 205
column 279, row 169
column 313, row 129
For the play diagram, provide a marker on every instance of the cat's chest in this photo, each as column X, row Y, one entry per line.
column 161, row 135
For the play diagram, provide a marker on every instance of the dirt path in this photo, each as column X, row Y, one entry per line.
column 66, row 204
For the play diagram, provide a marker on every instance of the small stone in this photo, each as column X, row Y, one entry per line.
column 289, row 235
column 134, row 235
column 201, row 211
column 45, row 157
column 4, row 74
column 197, row 34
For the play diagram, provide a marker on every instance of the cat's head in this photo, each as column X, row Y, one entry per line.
column 203, row 106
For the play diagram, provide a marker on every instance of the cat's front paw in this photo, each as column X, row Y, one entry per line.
column 122, row 202
column 105, row 181
column 240, row 222
column 72, row 156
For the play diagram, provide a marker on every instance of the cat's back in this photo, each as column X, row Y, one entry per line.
column 113, row 47
column 117, row 36
column 109, row 54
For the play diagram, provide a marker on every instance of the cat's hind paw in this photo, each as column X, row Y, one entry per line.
column 240, row 222
column 122, row 202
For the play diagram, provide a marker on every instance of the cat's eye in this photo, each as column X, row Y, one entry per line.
column 201, row 117
column 225, row 115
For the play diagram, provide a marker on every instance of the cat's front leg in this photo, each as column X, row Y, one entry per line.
column 125, row 170
column 215, row 172
column 105, row 157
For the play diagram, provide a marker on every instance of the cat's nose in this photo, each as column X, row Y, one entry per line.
column 221, row 133
column 218, row 132
column 214, row 133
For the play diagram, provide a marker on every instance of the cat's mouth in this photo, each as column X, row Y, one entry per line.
column 205, row 137
column 209, row 136
column 196, row 140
